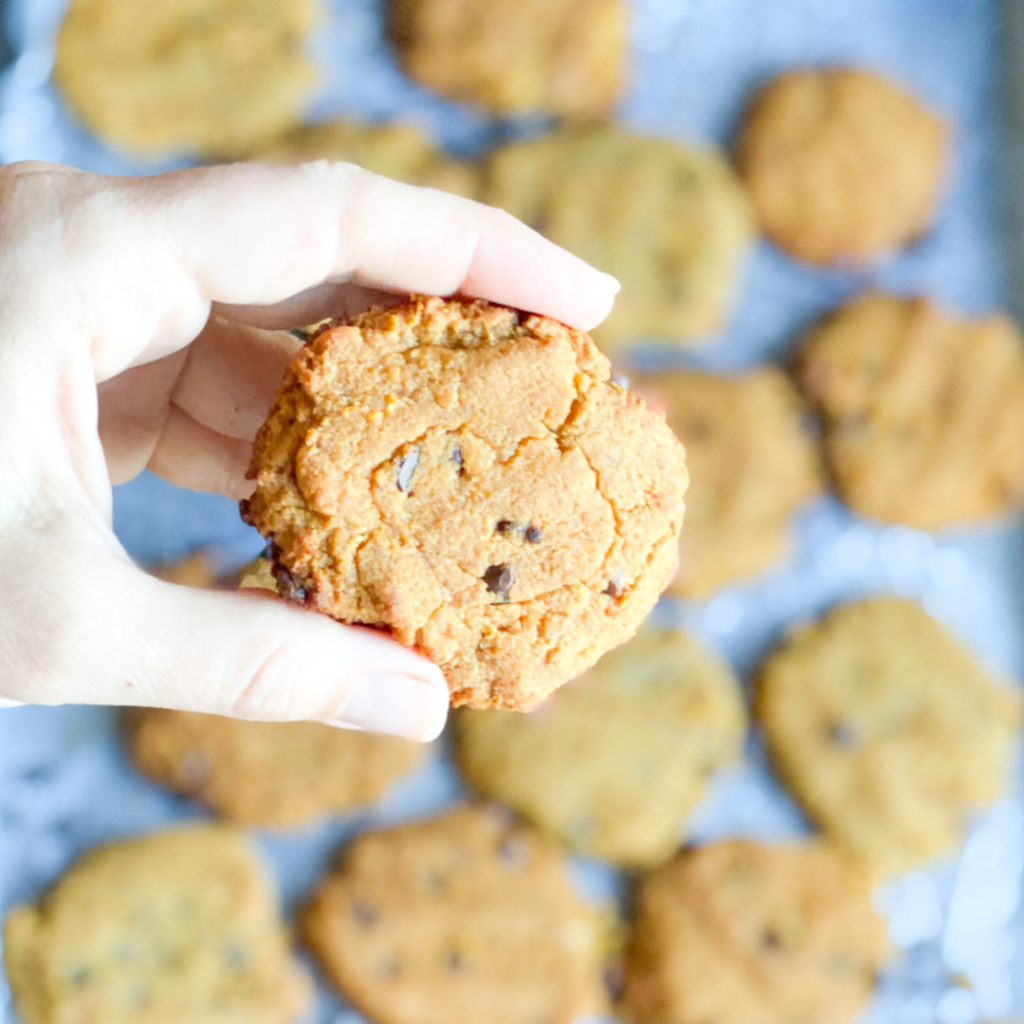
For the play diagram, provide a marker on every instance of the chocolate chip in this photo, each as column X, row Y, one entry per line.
column 843, row 734
column 454, row 961
column 616, row 586
column 245, row 511
column 770, row 940
column 532, row 534
column 457, row 459
column 504, row 527
column 365, row 914
column 499, row 580
column 289, row 586
column 406, row 468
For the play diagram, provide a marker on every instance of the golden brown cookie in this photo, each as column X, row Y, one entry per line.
column 214, row 77
column 737, row 931
column 613, row 764
column 671, row 222
column 464, row 917
column 195, row 570
column 399, row 151
column 843, row 166
column 471, row 479
column 752, row 464
column 886, row 730
column 923, row 411
column 176, row 926
column 266, row 773
column 516, row 56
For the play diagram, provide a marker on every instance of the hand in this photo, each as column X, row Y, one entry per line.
column 140, row 329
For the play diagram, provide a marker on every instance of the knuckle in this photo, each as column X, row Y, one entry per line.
column 269, row 692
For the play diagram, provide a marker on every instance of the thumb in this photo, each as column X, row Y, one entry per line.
column 135, row 640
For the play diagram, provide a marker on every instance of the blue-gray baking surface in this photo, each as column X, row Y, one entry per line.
column 64, row 785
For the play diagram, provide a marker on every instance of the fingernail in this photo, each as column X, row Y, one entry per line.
column 614, row 284
column 395, row 704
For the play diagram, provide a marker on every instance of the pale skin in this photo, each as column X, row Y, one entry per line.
column 142, row 327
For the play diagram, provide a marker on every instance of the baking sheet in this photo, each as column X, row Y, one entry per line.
column 64, row 785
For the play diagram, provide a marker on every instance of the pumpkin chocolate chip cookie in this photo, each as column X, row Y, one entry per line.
column 886, row 730
column 214, row 77
column 671, row 222
column 923, row 411
column 516, row 56
column 176, row 926
column 463, row 917
column 470, row 478
column 738, row 931
column 843, row 166
column 614, row 763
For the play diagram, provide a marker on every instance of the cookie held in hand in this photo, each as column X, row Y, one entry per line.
column 470, row 478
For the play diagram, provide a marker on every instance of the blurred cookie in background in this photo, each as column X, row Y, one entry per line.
column 887, row 730
column 516, row 56
column 210, row 77
column 181, row 925
column 764, row 934
column 197, row 569
column 614, row 763
column 752, row 461
column 843, row 166
column 399, row 151
column 278, row 774
column 923, row 410
column 462, row 917
column 671, row 222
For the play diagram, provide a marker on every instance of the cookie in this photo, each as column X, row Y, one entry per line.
column 266, row 773
column 213, row 77
column 671, row 222
column 516, row 56
column 470, row 478
column 843, row 166
column 615, row 762
column 923, row 410
column 194, row 570
column 176, row 926
column 398, row 151
column 886, row 730
column 752, row 462
column 737, row 931
column 464, row 917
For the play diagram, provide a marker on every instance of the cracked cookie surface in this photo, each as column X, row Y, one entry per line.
column 464, row 917
column 923, row 410
column 176, row 926
column 472, row 480
column 764, row 934
column 752, row 464
column 266, row 773
column 671, row 222
column 614, row 763
column 843, row 166
column 887, row 730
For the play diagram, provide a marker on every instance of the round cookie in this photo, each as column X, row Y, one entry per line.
column 752, row 464
column 471, row 479
column 464, row 917
column 176, row 926
column 886, row 730
column 736, row 931
column 266, row 773
column 615, row 762
column 214, row 77
column 516, row 56
column 843, row 166
column 671, row 222
column 399, row 151
column 923, row 411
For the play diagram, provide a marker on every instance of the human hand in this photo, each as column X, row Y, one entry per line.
column 141, row 329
